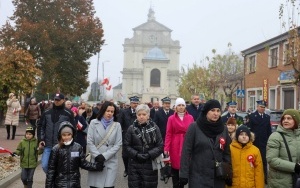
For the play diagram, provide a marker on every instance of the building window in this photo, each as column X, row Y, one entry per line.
column 252, row 60
column 155, row 78
column 273, row 57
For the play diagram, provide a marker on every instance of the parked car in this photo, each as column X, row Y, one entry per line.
column 275, row 116
column 241, row 114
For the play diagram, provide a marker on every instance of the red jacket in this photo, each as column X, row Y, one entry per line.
column 176, row 129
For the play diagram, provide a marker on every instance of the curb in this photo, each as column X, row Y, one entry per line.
column 10, row 179
column 16, row 175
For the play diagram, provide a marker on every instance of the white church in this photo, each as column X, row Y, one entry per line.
column 151, row 63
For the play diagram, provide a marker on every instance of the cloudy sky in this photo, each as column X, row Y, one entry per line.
column 199, row 25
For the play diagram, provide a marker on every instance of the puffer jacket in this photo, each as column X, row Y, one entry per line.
column 246, row 174
column 13, row 110
column 142, row 171
column 280, row 168
column 48, row 125
column 33, row 111
column 28, row 152
column 64, row 164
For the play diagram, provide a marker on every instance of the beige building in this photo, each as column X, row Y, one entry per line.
column 151, row 63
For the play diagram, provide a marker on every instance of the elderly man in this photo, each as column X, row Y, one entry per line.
column 126, row 118
column 260, row 125
column 68, row 104
column 231, row 105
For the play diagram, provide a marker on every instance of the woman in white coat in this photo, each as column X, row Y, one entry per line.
column 12, row 115
column 105, row 124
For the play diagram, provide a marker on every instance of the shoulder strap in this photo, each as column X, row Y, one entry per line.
column 107, row 135
column 287, row 147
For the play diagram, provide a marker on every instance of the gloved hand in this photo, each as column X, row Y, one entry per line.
column 228, row 182
column 297, row 168
column 143, row 157
column 14, row 154
column 183, row 181
column 100, row 158
column 100, row 166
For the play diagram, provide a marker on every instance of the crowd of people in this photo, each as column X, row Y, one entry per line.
column 195, row 138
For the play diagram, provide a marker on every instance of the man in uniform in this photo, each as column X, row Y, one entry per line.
column 161, row 120
column 195, row 107
column 126, row 118
column 260, row 125
column 232, row 113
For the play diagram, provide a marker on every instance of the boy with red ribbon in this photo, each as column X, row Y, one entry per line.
column 246, row 160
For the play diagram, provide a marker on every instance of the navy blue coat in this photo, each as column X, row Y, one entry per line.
column 192, row 110
column 227, row 116
column 161, row 120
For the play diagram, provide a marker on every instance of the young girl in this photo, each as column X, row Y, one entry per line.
column 246, row 160
column 143, row 144
column 28, row 150
column 65, row 160
column 231, row 127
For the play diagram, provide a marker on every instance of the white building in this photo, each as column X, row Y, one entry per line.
column 151, row 62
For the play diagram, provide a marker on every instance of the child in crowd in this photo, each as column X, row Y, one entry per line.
column 28, row 151
column 231, row 127
column 65, row 160
column 246, row 160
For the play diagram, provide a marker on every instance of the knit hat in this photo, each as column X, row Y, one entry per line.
column 11, row 94
column 210, row 104
column 231, row 120
column 66, row 129
column 180, row 101
column 240, row 129
column 294, row 113
column 30, row 130
column 74, row 109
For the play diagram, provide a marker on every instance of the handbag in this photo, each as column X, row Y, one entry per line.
column 88, row 157
column 295, row 177
column 157, row 163
column 223, row 170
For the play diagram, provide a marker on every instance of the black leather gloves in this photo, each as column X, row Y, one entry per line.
column 14, row 154
column 100, row 166
column 142, row 157
column 100, row 158
column 183, row 181
column 297, row 168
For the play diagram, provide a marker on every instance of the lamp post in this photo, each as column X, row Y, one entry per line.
column 97, row 85
column 103, row 92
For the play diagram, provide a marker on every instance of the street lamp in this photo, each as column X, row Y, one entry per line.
column 97, row 85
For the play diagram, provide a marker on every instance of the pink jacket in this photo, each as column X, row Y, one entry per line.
column 176, row 129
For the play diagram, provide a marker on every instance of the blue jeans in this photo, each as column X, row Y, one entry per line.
column 45, row 158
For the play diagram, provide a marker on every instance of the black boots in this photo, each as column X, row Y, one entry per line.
column 8, row 131
column 14, row 132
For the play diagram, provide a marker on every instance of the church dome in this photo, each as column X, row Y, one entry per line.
column 156, row 54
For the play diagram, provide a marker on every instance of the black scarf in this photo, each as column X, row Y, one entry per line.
column 146, row 132
column 210, row 129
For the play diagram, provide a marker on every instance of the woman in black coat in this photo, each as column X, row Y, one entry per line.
column 143, row 143
column 197, row 166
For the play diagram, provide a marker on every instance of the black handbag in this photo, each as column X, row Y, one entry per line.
column 296, row 177
column 223, row 170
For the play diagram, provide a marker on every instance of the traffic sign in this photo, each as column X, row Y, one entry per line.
column 240, row 93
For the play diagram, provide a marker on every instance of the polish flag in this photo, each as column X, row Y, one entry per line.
column 2, row 150
column 105, row 81
column 108, row 87
column 79, row 126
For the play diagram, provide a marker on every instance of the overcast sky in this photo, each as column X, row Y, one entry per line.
column 199, row 25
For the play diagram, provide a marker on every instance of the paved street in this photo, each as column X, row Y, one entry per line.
column 39, row 176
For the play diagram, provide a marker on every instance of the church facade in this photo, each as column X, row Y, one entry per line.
column 151, row 62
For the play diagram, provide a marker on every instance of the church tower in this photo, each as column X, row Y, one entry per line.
column 151, row 62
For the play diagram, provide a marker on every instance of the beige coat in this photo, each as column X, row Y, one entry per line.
column 12, row 114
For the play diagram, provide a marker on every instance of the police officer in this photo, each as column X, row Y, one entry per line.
column 161, row 120
column 232, row 113
column 260, row 125
column 126, row 118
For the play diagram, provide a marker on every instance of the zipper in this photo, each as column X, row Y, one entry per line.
column 68, row 165
column 28, row 153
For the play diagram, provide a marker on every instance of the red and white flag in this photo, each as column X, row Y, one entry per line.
column 108, row 87
column 79, row 126
column 3, row 150
column 105, row 81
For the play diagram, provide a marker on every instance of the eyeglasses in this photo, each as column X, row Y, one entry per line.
column 57, row 99
column 262, row 106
